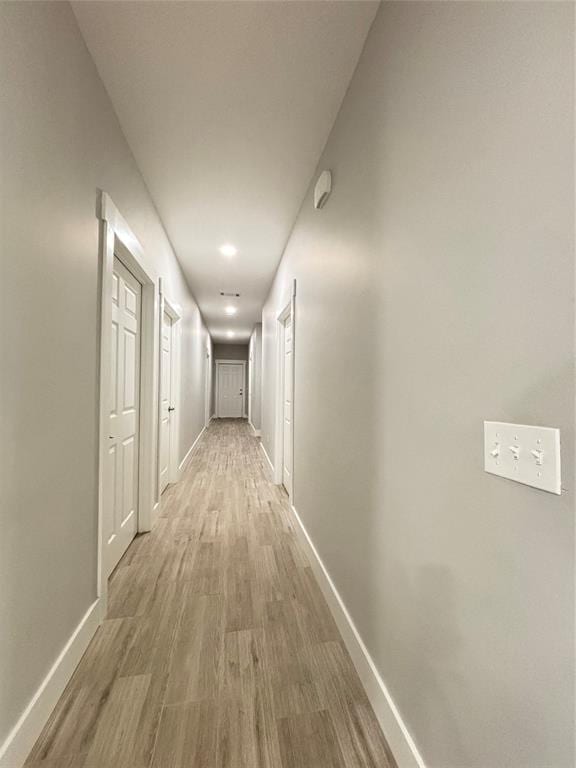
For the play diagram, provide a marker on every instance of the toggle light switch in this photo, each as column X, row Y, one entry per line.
column 532, row 456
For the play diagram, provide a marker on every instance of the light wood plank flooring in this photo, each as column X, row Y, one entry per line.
column 219, row 650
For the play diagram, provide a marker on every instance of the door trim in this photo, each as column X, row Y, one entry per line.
column 208, row 384
column 174, row 311
column 116, row 238
column 288, row 311
column 249, row 378
column 217, row 390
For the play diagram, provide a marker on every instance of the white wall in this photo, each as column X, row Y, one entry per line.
column 255, row 376
column 436, row 290
column 60, row 143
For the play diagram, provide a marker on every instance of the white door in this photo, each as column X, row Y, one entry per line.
column 166, row 407
column 121, row 505
column 230, row 390
column 287, row 413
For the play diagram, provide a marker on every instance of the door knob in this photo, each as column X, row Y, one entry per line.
column 171, row 408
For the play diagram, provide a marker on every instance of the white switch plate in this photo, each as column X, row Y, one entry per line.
column 529, row 455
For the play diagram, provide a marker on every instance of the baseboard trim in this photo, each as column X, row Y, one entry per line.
column 267, row 457
column 397, row 735
column 186, row 460
column 21, row 739
column 255, row 431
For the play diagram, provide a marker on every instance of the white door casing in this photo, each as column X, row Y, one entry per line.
column 121, row 481
column 287, row 406
column 207, row 385
column 283, row 467
column 170, row 324
column 250, row 379
column 166, row 406
column 230, row 385
column 117, row 239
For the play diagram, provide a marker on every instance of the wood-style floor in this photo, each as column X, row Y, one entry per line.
column 219, row 650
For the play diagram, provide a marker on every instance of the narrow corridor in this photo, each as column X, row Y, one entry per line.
column 219, row 649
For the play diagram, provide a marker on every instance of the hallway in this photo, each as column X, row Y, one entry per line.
column 219, row 649
column 288, row 384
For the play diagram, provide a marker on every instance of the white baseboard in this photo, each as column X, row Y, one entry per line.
column 256, row 432
column 397, row 735
column 267, row 457
column 21, row 739
column 186, row 460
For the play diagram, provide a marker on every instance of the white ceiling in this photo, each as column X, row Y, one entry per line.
column 227, row 106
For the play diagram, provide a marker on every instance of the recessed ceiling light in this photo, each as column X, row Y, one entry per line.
column 230, row 334
column 228, row 249
column 230, row 310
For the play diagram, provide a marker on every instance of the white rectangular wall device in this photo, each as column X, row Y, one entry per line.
column 528, row 455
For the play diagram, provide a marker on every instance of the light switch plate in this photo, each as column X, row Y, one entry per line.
column 528, row 455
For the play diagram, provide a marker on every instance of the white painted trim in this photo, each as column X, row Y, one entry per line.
column 217, row 391
column 249, row 384
column 397, row 735
column 174, row 311
column 267, row 457
column 116, row 238
column 256, row 432
column 186, row 460
column 208, row 383
column 21, row 739
column 288, row 311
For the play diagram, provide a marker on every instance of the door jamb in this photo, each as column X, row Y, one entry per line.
column 288, row 311
column 249, row 378
column 116, row 238
column 208, row 384
column 174, row 311
column 217, row 395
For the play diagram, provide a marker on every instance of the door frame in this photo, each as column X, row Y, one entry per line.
column 116, row 238
column 174, row 311
column 208, row 384
column 288, row 311
column 217, row 390
column 249, row 380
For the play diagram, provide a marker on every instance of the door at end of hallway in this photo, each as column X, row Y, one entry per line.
column 230, row 385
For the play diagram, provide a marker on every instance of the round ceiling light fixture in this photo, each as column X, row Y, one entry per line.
column 230, row 310
column 230, row 334
column 228, row 249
